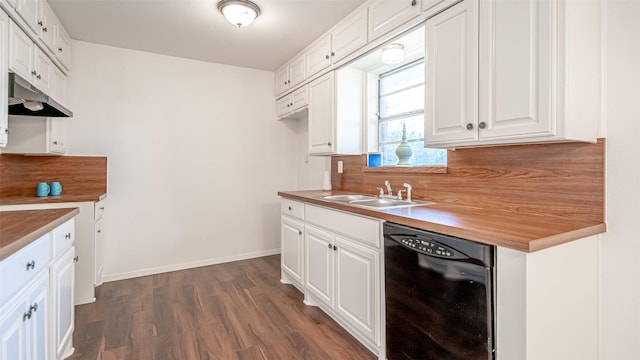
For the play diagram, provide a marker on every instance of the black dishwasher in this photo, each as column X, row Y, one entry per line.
column 439, row 294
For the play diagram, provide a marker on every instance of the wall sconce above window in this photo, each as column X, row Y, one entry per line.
column 393, row 54
column 239, row 12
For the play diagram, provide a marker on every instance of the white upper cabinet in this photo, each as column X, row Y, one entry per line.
column 29, row 11
column 21, row 52
column 318, row 56
column 538, row 78
column 62, row 46
column 4, row 60
column 322, row 115
column 451, row 75
column 43, row 68
column 386, row 15
column 48, row 23
column 290, row 75
column 349, row 35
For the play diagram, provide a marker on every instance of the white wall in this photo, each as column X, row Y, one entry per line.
column 621, row 243
column 195, row 156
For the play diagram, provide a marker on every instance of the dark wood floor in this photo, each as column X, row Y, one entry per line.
column 238, row 310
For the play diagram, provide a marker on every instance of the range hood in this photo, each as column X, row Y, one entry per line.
column 26, row 99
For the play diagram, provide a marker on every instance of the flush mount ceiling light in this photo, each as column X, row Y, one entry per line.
column 392, row 54
column 239, row 12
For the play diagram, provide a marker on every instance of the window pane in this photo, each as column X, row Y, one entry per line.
column 421, row 155
column 391, row 130
column 402, row 102
column 404, row 78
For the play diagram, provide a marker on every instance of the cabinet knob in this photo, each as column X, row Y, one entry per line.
column 329, row 246
column 326, row 57
column 414, row 2
column 290, row 208
column 299, row 232
column 40, row 22
column 7, row 131
column 101, row 208
column 469, row 126
column 55, row 142
column 26, row 316
column 38, row 77
column 44, row 29
column 482, row 125
column 329, row 143
column 75, row 259
column 34, row 307
column 33, row 73
column 333, row 54
column 335, row 248
column 31, row 265
column 99, row 231
column 68, row 236
column 60, row 49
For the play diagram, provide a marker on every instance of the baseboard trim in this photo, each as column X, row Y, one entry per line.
column 175, row 267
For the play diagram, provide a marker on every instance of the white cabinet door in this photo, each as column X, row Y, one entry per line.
column 357, row 279
column 21, row 53
column 38, row 324
column 63, row 46
column 349, row 35
column 297, row 71
column 57, row 128
column 62, row 275
column 13, row 342
column 516, row 68
column 48, row 26
column 282, row 80
column 292, row 247
column 29, row 11
column 4, row 64
column 322, row 114
column 451, row 75
column 43, row 68
column 318, row 56
column 58, row 85
column 319, row 264
column 386, row 15
column 300, row 98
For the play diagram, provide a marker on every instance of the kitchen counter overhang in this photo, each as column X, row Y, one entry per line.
column 517, row 231
column 19, row 228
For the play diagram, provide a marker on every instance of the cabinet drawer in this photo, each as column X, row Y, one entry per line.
column 99, row 209
column 365, row 230
column 63, row 238
column 292, row 208
column 18, row 269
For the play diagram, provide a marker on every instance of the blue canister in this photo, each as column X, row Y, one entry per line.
column 42, row 189
column 56, row 188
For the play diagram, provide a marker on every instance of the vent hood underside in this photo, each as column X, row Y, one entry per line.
column 25, row 99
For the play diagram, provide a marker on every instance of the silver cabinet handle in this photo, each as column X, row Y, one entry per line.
column 68, row 236
column 469, row 126
column 31, row 265
column 33, row 307
column 76, row 258
column 482, row 125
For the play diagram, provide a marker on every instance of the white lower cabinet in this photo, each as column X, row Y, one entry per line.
column 339, row 263
column 36, row 320
column 62, row 284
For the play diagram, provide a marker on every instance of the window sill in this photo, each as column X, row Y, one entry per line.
column 407, row 170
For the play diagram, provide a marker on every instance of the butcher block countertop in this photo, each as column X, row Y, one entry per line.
column 19, row 228
column 517, row 231
column 64, row 198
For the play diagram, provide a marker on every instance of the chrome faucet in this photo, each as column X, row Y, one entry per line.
column 388, row 185
column 408, row 187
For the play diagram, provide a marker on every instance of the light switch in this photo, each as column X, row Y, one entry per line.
column 340, row 169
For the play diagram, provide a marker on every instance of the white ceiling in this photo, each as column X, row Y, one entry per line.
column 195, row 29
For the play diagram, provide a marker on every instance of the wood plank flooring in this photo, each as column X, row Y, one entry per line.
column 237, row 310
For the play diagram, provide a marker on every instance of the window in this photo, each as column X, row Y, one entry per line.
column 401, row 101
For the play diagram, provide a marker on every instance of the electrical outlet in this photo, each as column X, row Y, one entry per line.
column 340, row 168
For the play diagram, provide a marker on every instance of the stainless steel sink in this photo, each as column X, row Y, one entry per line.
column 389, row 203
column 349, row 198
column 371, row 201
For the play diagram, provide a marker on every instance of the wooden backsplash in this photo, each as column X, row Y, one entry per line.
column 564, row 179
column 79, row 175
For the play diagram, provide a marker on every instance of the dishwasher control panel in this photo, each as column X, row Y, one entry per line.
column 431, row 248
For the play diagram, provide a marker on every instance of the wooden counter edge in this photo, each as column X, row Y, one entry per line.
column 28, row 238
column 524, row 246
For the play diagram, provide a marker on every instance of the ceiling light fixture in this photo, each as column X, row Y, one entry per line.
column 393, row 54
column 239, row 12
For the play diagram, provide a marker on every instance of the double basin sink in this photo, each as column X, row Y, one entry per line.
column 370, row 201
